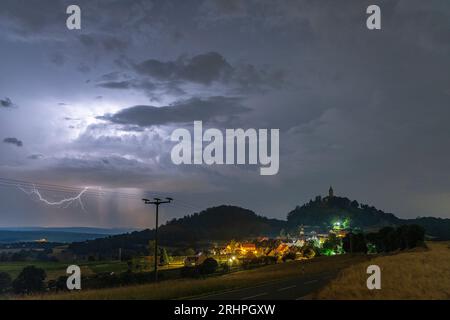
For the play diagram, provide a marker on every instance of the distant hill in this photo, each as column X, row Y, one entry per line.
column 224, row 223
column 220, row 223
column 51, row 236
column 64, row 235
column 91, row 230
column 324, row 211
column 436, row 228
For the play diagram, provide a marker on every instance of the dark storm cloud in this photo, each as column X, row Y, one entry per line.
column 363, row 110
column 87, row 40
column 181, row 112
column 13, row 141
column 116, row 85
column 226, row 9
column 107, row 42
column 6, row 103
column 28, row 17
column 83, row 68
column 144, row 85
column 229, row 7
column 211, row 67
column 57, row 59
column 203, row 68
column 35, row 156
column 111, row 76
column 113, row 43
column 46, row 18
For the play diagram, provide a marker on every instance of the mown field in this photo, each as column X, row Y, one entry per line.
column 184, row 288
column 417, row 274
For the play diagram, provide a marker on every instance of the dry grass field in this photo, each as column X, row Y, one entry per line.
column 183, row 288
column 418, row 274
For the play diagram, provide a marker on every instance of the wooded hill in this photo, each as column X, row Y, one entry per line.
column 225, row 222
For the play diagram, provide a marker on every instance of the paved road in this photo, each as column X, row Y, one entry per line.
column 286, row 289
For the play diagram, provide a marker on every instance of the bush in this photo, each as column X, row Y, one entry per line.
column 269, row 259
column 5, row 282
column 404, row 237
column 59, row 284
column 308, row 253
column 208, row 266
column 30, row 280
column 354, row 243
column 288, row 256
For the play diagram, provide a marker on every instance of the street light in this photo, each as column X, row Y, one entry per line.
column 157, row 202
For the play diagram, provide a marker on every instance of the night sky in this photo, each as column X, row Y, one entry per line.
column 366, row 111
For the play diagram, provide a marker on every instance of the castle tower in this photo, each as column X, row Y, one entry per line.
column 331, row 192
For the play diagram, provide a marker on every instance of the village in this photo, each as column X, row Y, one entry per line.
column 306, row 244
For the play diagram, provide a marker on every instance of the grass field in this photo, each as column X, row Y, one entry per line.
column 182, row 288
column 418, row 274
column 56, row 269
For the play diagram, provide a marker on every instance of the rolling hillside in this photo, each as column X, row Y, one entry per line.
column 324, row 211
column 220, row 223
column 224, row 223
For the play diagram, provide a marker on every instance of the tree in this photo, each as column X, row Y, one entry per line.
column 411, row 236
column 403, row 237
column 208, row 266
column 308, row 252
column 354, row 204
column 30, row 279
column 354, row 243
column 331, row 245
column 5, row 282
column 151, row 247
column 164, row 257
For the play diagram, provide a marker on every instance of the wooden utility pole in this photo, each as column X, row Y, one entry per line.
column 156, row 202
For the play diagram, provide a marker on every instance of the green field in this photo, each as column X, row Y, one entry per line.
column 56, row 269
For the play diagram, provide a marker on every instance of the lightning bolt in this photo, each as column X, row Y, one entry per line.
column 65, row 203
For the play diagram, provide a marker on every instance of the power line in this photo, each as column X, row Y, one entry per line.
column 91, row 191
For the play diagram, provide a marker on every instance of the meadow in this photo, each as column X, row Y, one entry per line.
column 185, row 288
column 57, row 269
column 415, row 274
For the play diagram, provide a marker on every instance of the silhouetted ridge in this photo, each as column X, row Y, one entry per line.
column 322, row 211
column 224, row 223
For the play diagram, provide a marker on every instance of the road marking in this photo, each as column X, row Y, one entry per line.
column 287, row 288
column 255, row 296
column 312, row 281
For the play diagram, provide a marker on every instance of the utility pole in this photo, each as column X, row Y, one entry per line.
column 156, row 202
